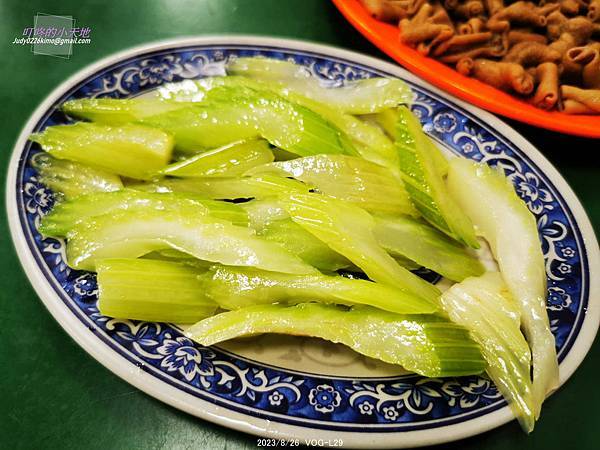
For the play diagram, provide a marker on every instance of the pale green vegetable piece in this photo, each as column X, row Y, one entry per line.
column 485, row 307
column 69, row 179
column 212, row 112
column 423, row 344
column 355, row 97
column 177, row 256
column 425, row 184
column 234, row 288
column 264, row 211
column 268, row 217
column 115, row 111
column 231, row 160
column 262, row 186
column 156, row 291
column 347, row 178
column 130, row 150
column 266, row 69
column 387, row 119
column 504, row 220
column 303, row 244
column 273, row 223
column 66, row 215
column 348, row 230
column 236, row 111
column 368, row 141
column 131, row 234
column 406, row 237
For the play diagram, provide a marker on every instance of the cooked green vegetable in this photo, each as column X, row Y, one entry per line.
column 485, row 307
column 130, row 234
column 348, row 230
column 357, row 97
column 262, row 186
column 70, row 179
column 425, row 184
column 254, row 192
column 303, row 244
column 213, row 112
column 231, row 160
column 369, row 141
column 267, row 69
column 177, row 256
column 424, row 344
column 504, row 220
column 348, row 178
column 144, row 289
column 403, row 236
column 264, row 211
column 235, row 288
column 237, row 112
column 129, row 150
column 66, row 215
column 388, row 120
column 113, row 111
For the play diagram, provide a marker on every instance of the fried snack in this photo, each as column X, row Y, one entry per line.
column 387, row 10
column 462, row 42
column 547, row 92
column 450, row 5
column 469, row 9
column 594, row 11
column 555, row 22
column 531, row 54
column 589, row 98
column 525, row 35
column 569, row 7
column 547, row 50
column 574, row 107
column 422, row 32
column 588, row 57
column 502, row 75
column 519, row 12
column 473, row 25
column 480, row 52
column 493, row 6
column 440, row 16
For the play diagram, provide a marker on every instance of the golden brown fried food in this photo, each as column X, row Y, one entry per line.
column 588, row 57
column 502, row 75
column 525, row 35
column 590, row 98
column 547, row 92
column 520, row 12
column 473, row 25
column 594, row 11
column 545, row 49
column 531, row 54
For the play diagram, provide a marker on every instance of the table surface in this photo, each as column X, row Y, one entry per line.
column 52, row 393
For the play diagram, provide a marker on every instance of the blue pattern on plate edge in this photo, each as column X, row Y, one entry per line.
column 401, row 403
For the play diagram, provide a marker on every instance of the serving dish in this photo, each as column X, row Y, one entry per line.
column 302, row 388
column 386, row 36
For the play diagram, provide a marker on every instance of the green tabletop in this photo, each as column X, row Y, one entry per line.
column 52, row 394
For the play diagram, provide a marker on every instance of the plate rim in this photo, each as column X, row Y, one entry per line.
column 584, row 125
column 240, row 421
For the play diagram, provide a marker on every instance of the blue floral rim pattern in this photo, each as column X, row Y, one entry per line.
column 385, row 404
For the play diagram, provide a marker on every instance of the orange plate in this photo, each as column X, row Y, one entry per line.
column 386, row 37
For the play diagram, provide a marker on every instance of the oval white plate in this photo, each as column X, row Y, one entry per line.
column 302, row 388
